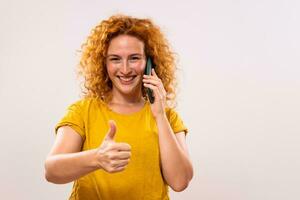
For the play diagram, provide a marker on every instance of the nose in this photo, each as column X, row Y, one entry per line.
column 125, row 69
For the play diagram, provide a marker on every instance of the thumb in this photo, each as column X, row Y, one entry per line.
column 112, row 130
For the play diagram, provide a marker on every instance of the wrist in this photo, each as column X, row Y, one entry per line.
column 160, row 116
column 95, row 159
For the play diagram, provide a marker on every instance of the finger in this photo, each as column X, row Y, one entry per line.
column 158, row 84
column 123, row 155
column 122, row 163
column 155, row 90
column 121, row 146
column 151, row 77
column 118, row 169
column 154, row 73
column 151, row 86
column 120, row 155
column 115, row 169
column 152, row 81
column 112, row 131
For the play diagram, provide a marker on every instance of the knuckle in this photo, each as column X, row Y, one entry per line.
column 110, row 169
column 110, row 156
column 114, row 163
column 121, row 169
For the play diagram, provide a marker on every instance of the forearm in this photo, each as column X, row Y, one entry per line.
column 176, row 165
column 64, row 168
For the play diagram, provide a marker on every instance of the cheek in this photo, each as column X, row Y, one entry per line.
column 140, row 68
column 110, row 70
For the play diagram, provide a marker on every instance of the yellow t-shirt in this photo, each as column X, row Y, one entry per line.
column 142, row 179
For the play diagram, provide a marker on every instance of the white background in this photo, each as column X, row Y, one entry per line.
column 239, row 90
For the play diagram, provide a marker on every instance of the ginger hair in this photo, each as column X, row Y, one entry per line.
column 92, row 67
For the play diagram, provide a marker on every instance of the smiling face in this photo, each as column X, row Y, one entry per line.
column 125, row 64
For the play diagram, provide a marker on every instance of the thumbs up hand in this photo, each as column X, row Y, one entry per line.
column 113, row 156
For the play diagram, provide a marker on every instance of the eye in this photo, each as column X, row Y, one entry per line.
column 135, row 58
column 113, row 59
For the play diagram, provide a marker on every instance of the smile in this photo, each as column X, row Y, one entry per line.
column 126, row 80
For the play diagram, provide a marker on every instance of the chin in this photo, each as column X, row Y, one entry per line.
column 127, row 89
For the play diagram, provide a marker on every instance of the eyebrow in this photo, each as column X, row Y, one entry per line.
column 134, row 54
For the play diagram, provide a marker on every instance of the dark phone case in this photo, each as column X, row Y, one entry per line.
column 149, row 66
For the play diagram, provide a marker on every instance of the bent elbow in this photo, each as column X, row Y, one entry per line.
column 47, row 173
column 53, row 179
column 50, row 176
column 183, row 183
column 179, row 187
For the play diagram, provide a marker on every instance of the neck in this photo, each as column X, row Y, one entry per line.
column 130, row 99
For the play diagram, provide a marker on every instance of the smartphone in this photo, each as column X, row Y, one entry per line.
column 148, row 69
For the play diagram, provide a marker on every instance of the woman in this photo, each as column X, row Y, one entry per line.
column 113, row 143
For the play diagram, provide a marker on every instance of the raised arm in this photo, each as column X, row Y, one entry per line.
column 176, row 164
column 177, row 167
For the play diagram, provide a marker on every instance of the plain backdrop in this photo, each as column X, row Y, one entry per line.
column 239, row 84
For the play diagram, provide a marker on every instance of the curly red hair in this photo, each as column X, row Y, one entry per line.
column 92, row 65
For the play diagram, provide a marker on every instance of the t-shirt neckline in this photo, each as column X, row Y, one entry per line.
column 126, row 115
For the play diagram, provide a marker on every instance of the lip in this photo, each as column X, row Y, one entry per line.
column 126, row 80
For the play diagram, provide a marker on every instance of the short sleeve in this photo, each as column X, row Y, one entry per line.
column 176, row 122
column 73, row 118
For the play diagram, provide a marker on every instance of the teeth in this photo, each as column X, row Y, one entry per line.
column 126, row 78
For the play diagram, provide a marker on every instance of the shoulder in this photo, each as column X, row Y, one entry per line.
column 175, row 121
column 171, row 113
column 86, row 103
